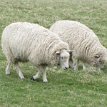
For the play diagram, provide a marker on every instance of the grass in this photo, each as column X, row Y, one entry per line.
column 65, row 89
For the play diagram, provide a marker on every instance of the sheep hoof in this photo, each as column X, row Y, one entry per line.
column 7, row 73
column 45, row 81
column 22, row 78
column 32, row 78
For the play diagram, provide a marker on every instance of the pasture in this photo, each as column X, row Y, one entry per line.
column 64, row 89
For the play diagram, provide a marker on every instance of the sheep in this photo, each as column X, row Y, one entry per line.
column 84, row 41
column 23, row 42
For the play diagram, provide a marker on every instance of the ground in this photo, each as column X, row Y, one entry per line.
column 64, row 89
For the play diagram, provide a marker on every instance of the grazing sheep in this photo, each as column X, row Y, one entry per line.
column 83, row 40
column 22, row 42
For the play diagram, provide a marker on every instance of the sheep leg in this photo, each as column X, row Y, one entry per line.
column 8, row 68
column 44, row 76
column 41, row 71
column 75, row 64
column 84, row 67
column 71, row 64
column 37, row 75
column 9, row 63
column 18, row 70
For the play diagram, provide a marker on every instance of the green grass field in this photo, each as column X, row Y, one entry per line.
column 64, row 89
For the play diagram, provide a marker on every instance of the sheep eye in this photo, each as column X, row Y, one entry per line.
column 97, row 56
column 62, row 57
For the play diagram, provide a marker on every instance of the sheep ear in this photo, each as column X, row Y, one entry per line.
column 58, row 53
column 70, row 51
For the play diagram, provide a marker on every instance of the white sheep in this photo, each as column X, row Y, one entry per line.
column 83, row 40
column 22, row 42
